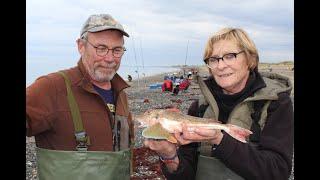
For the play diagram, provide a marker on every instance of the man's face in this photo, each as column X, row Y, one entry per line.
column 101, row 68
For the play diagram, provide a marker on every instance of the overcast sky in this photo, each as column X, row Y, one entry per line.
column 159, row 30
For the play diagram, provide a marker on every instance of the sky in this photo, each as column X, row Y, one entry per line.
column 162, row 32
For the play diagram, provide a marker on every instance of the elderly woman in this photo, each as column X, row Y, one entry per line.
column 236, row 93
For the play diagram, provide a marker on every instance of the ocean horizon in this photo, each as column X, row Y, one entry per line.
column 135, row 72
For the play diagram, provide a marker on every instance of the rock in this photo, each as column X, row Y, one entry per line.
column 140, row 100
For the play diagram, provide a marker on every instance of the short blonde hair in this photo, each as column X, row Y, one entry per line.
column 241, row 38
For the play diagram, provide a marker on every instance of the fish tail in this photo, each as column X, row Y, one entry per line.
column 238, row 133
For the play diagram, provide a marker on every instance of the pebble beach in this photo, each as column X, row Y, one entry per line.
column 142, row 98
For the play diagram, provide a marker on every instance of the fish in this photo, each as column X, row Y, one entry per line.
column 162, row 123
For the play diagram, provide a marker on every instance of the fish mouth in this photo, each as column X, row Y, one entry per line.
column 140, row 119
column 137, row 117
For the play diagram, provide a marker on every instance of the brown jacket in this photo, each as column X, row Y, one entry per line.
column 49, row 117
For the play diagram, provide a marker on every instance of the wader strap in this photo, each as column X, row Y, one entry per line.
column 116, row 135
column 202, row 109
column 208, row 96
column 255, row 126
column 80, row 133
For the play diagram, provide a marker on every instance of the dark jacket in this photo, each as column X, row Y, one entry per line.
column 271, row 159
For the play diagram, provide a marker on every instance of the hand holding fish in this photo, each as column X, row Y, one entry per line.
column 165, row 149
column 165, row 124
column 197, row 134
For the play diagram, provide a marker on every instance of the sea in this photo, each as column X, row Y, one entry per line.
column 33, row 72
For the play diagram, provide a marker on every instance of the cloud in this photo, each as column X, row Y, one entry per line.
column 159, row 30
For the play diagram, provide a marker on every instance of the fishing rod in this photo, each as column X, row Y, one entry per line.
column 141, row 54
column 185, row 61
column 135, row 58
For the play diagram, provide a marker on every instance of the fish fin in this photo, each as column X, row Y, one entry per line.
column 238, row 133
column 156, row 131
column 173, row 109
column 172, row 139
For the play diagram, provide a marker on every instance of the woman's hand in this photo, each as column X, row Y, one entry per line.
column 197, row 134
column 166, row 150
column 162, row 147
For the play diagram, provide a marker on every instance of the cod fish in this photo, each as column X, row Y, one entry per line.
column 162, row 123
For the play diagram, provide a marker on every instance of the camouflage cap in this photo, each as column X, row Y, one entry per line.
column 101, row 22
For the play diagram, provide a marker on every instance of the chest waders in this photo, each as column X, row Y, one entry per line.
column 251, row 113
column 210, row 167
column 81, row 164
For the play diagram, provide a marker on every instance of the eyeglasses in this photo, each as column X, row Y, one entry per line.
column 212, row 62
column 102, row 51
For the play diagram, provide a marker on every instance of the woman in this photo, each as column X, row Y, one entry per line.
column 236, row 93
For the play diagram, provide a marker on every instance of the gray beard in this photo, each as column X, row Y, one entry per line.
column 99, row 76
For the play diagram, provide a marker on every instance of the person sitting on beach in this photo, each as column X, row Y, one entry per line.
column 80, row 116
column 235, row 93
column 167, row 85
column 184, row 85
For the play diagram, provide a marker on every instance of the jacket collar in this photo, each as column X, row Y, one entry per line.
column 117, row 83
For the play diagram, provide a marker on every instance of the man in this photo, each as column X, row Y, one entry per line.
column 80, row 116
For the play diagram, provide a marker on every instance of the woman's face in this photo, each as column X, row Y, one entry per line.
column 230, row 75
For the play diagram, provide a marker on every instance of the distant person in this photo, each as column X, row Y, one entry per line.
column 176, row 90
column 189, row 75
column 129, row 78
column 80, row 116
column 177, row 81
column 167, row 85
column 184, row 85
column 236, row 93
column 174, row 77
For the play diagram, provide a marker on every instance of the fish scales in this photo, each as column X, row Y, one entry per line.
column 171, row 121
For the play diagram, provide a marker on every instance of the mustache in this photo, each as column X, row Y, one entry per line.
column 105, row 65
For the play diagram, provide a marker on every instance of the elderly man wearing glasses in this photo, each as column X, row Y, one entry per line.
column 80, row 116
column 236, row 93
